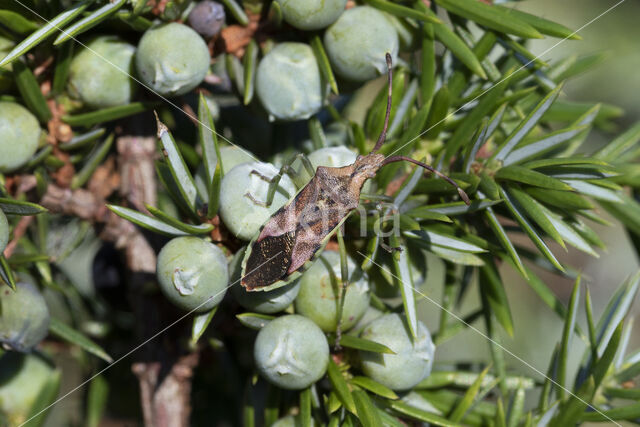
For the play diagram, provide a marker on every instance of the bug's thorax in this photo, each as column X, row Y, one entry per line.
column 365, row 167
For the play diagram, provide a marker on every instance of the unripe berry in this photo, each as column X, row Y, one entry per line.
column 311, row 14
column 332, row 157
column 19, row 136
column 231, row 156
column 412, row 361
column 369, row 316
column 172, row 59
column 243, row 192
column 358, row 41
column 291, row 352
column 99, row 73
column 192, row 273
column 207, row 18
column 319, row 296
column 24, row 317
column 22, row 378
column 288, row 82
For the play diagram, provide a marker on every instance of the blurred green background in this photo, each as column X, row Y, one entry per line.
column 615, row 81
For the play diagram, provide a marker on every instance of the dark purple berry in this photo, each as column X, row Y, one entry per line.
column 207, row 18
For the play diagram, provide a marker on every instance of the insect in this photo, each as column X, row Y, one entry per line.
column 294, row 233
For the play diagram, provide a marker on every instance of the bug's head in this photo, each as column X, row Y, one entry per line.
column 367, row 166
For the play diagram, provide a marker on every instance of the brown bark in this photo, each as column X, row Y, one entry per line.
column 166, row 400
column 163, row 371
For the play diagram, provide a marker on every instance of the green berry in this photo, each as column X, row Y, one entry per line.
column 334, row 157
column 369, row 316
column 358, row 41
column 231, row 156
column 291, row 352
column 243, row 192
column 24, row 317
column 22, row 378
column 192, row 273
column 172, row 59
column 319, row 296
column 268, row 302
column 288, row 82
column 4, row 231
column 311, row 14
column 99, row 73
column 19, row 136
column 412, row 360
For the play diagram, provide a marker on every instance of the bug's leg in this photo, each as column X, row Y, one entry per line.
column 383, row 212
column 259, row 175
column 390, row 249
column 306, row 163
column 275, row 180
column 297, row 176
column 376, row 198
column 265, row 178
column 344, row 281
column 256, row 201
column 373, row 242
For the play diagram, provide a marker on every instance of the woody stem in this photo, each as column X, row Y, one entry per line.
column 461, row 192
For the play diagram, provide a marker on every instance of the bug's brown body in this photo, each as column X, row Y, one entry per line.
column 296, row 231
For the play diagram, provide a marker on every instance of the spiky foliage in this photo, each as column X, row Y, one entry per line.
column 482, row 109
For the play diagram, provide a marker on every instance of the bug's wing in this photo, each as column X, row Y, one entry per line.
column 317, row 221
column 269, row 255
column 287, row 218
column 267, row 261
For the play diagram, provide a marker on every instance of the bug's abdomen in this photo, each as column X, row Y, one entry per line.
column 269, row 260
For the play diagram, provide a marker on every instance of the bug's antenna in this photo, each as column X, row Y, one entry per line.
column 383, row 134
column 461, row 192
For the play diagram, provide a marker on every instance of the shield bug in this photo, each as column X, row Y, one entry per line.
column 292, row 236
